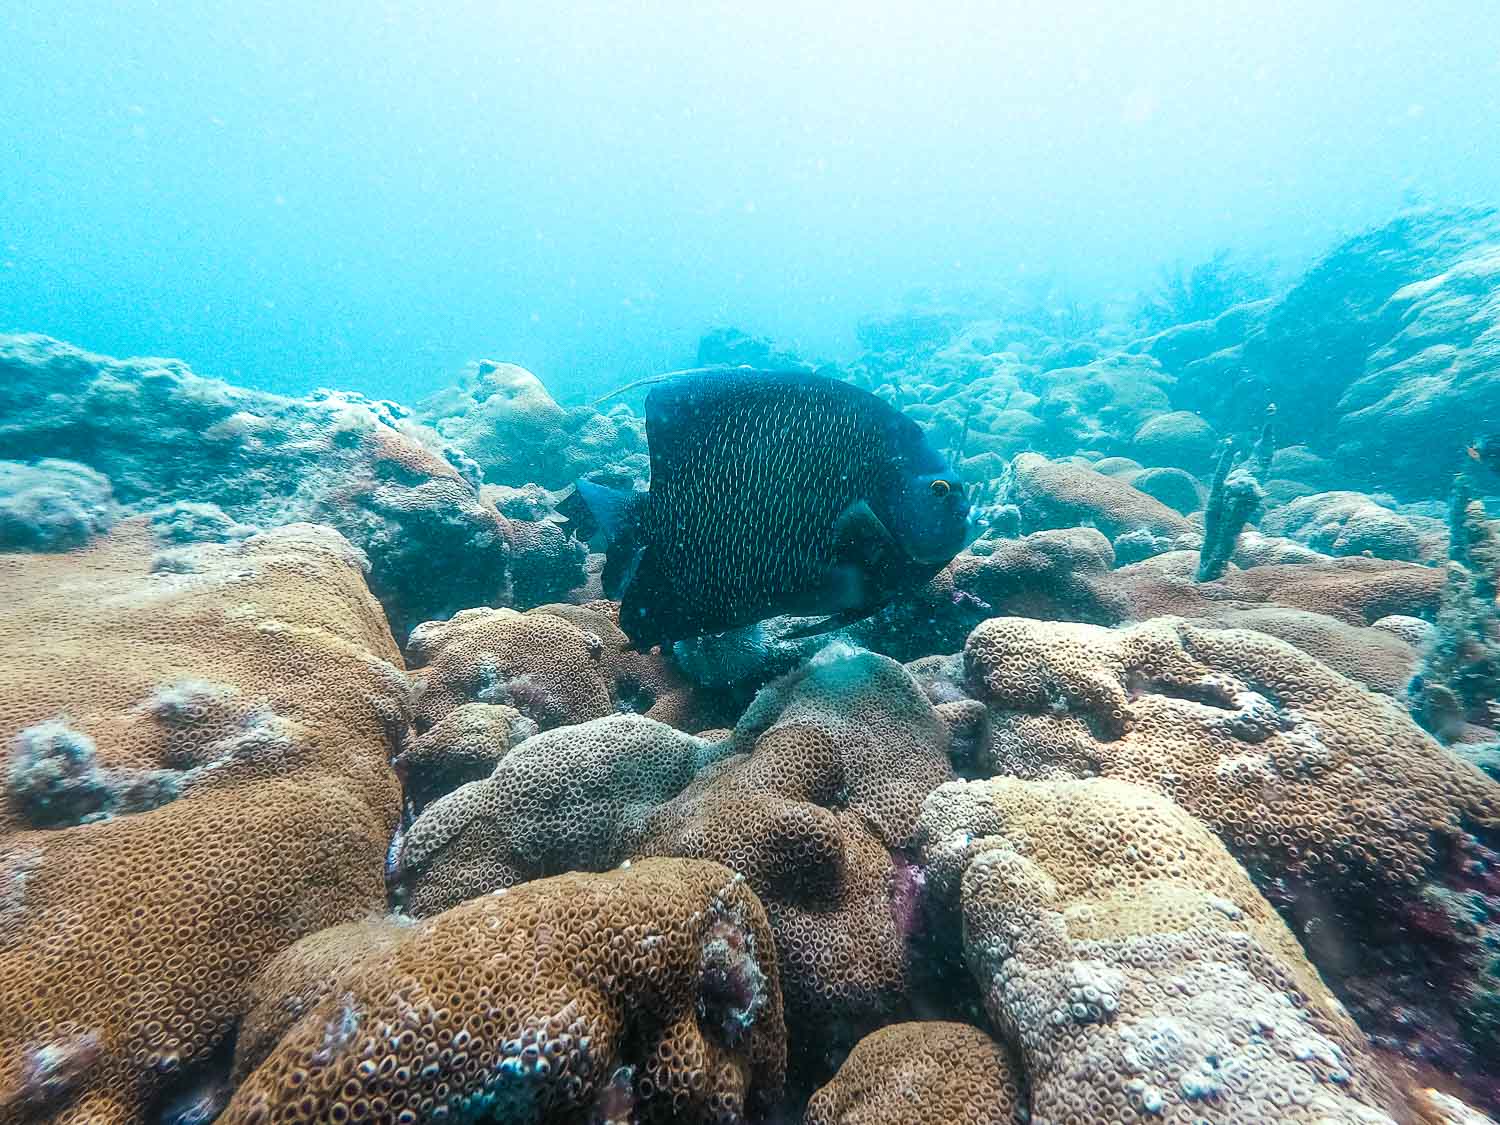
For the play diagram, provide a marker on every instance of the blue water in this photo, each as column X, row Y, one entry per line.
column 368, row 195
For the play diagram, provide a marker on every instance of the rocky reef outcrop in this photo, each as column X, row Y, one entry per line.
column 331, row 790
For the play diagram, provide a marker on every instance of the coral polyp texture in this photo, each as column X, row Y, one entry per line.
column 648, row 995
column 1133, row 966
column 331, row 789
column 813, row 798
column 556, row 664
column 195, row 776
column 1352, row 819
column 911, row 1073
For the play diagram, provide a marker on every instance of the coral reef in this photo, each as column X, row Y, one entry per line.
column 654, row 986
column 1345, row 812
column 813, row 798
column 52, row 506
column 195, row 772
column 503, row 418
column 913, row 1073
column 1132, row 965
column 1388, row 338
column 1229, row 847
column 162, row 434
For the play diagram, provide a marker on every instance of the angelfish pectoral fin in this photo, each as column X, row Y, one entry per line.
column 828, row 624
column 860, row 539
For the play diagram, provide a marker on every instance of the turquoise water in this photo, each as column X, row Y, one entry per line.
column 370, row 195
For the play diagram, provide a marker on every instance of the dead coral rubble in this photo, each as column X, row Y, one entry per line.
column 195, row 771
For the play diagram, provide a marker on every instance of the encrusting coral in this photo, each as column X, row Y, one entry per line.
column 928, row 1073
column 196, row 776
column 648, row 995
column 1132, row 965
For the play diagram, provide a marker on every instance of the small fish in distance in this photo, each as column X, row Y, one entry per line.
column 1486, row 450
column 771, row 493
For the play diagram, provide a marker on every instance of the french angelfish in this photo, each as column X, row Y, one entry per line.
column 771, row 493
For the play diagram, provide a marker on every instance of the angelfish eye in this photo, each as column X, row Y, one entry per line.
column 941, row 487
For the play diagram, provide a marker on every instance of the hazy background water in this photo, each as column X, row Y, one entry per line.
column 293, row 194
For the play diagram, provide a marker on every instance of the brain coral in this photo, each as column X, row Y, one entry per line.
column 556, row 664
column 931, row 1073
column 1351, row 818
column 643, row 995
column 569, row 798
column 813, row 799
column 1135, row 969
column 246, row 706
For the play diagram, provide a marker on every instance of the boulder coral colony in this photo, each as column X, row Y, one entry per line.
column 333, row 791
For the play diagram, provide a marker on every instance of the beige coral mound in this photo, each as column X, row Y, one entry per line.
column 1356, row 590
column 572, row 798
column 196, row 776
column 1377, row 657
column 1298, row 769
column 556, row 664
column 930, row 1073
column 1057, row 494
column 649, row 994
column 1133, row 966
column 814, row 799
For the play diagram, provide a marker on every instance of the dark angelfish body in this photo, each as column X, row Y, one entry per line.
column 772, row 493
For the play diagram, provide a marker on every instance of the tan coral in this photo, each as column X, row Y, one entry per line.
column 1378, row 658
column 257, row 690
column 1058, row 494
column 574, row 797
column 464, row 745
column 1134, row 967
column 656, row 986
column 931, row 1073
column 556, row 664
column 1356, row 590
column 1299, row 770
column 814, row 801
